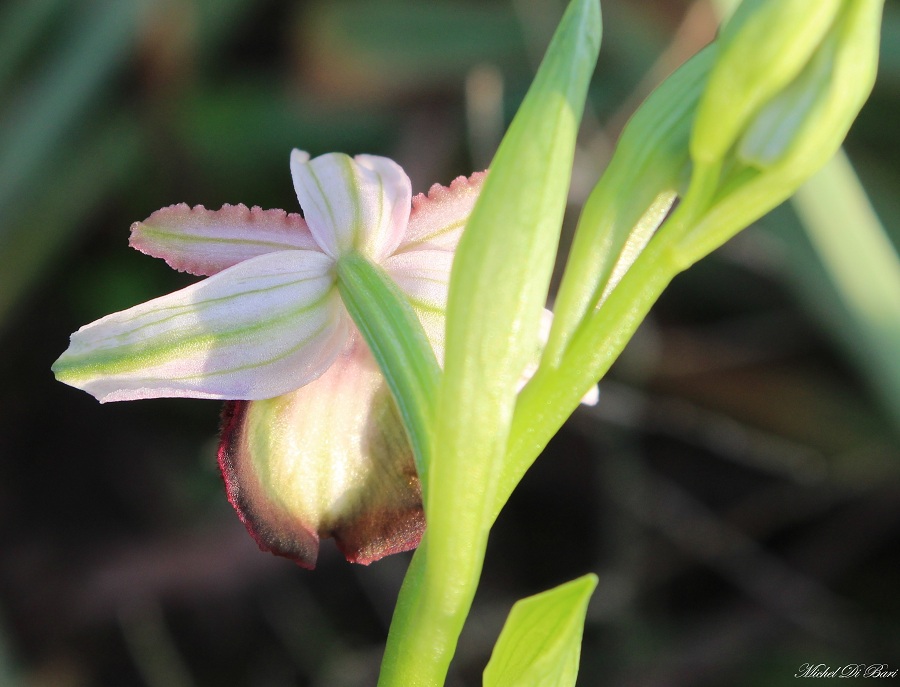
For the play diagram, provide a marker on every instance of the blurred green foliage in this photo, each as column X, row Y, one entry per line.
column 736, row 489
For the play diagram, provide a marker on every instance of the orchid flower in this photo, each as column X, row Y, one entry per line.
column 312, row 443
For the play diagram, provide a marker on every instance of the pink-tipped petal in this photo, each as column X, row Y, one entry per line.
column 329, row 460
column 256, row 330
column 204, row 242
column 360, row 203
column 437, row 219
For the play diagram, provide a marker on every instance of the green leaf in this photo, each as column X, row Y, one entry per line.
column 540, row 644
column 398, row 342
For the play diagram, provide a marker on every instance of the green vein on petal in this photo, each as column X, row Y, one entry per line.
column 196, row 238
column 77, row 367
column 198, row 306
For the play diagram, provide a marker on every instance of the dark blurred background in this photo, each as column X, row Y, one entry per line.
column 737, row 489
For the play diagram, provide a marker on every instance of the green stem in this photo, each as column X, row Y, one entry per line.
column 432, row 606
column 394, row 334
column 430, row 613
column 554, row 393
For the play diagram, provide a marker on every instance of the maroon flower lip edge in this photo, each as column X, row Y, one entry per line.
column 363, row 538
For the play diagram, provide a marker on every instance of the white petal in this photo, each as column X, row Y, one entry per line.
column 204, row 242
column 424, row 275
column 330, row 459
column 256, row 330
column 360, row 203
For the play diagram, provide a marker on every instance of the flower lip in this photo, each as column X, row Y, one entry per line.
column 340, row 465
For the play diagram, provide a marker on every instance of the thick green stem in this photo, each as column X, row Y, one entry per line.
column 428, row 619
column 434, row 601
column 433, row 604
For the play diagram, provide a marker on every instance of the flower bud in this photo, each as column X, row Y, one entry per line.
column 753, row 150
column 814, row 112
column 762, row 49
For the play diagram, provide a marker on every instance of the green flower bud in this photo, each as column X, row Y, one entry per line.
column 761, row 50
column 815, row 111
column 785, row 137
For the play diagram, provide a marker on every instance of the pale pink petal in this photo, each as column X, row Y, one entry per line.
column 256, row 330
column 424, row 275
column 204, row 242
column 359, row 203
column 590, row 398
column 329, row 460
column 437, row 220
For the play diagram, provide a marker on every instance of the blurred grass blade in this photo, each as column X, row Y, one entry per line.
column 355, row 43
column 96, row 43
column 863, row 266
column 21, row 24
column 69, row 191
column 152, row 646
column 9, row 667
column 540, row 644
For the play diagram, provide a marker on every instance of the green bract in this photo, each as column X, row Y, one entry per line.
column 541, row 641
column 607, row 289
column 651, row 165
